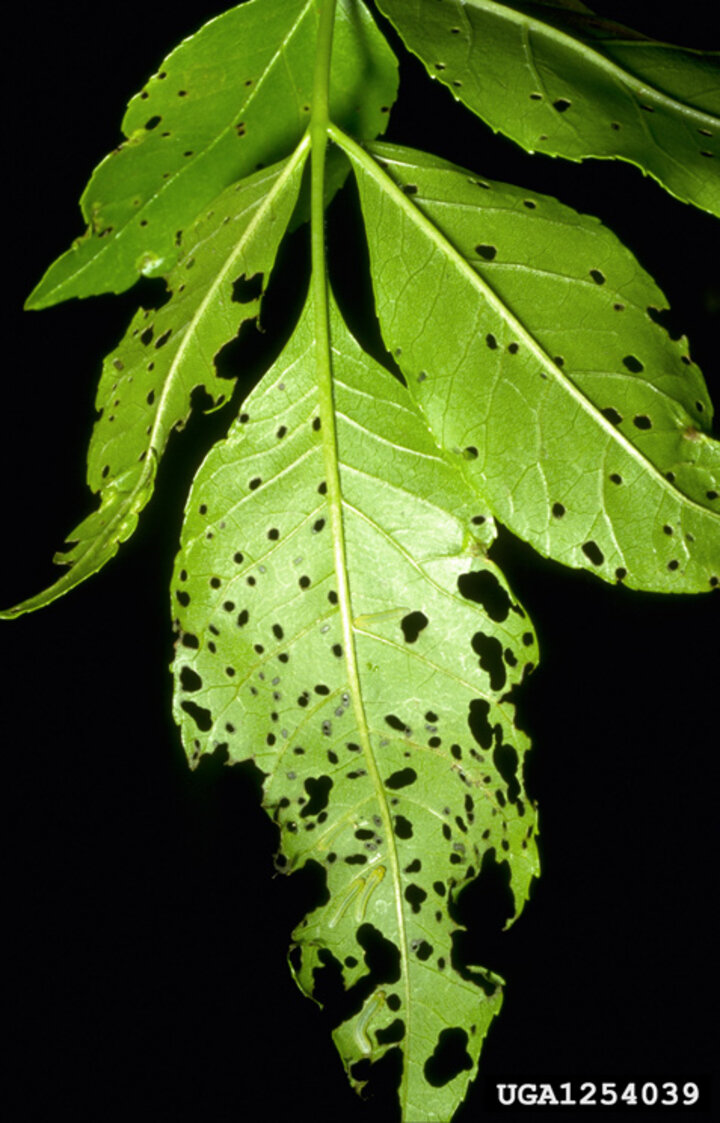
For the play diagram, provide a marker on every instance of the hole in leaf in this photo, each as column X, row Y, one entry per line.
column 642, row 421
column 395, row 723
column 450, row 1057
column 401, row 779
column 390, row 1035
column 415, row 896
column 412, row 625
column 484, row 588
column 593, row 553
column 489, row 649
column 403, row 827
column 190, row 680
column 246, row 289
column 201, row 716
column 633, row 364
column 562, row 104
column 597, row 276
column 480, row 727
column 486, row 252
column 319, row 792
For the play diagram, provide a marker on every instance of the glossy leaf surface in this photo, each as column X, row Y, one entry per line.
column 533, row 342
column 562, row 81
column 360, row 654
column 340, row 620
column 148, row 380
column 233, row 97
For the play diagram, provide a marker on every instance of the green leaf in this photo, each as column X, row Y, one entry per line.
column 562, row 81
column 533, row 342
column 147, row 382
column 358, row 645
column 233, row 97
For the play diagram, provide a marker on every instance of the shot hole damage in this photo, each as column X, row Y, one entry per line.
column 412, row 625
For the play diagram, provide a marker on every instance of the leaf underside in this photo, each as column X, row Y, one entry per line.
column 147, row 381
column 381, row 722
column 339, row 621
column 534, row 344
column 233, row 97
column 565, row 82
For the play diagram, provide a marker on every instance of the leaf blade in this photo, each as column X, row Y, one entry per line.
column 375, row 773
column 147, row 382
column 577, row 437
column 235, row 93
column 568, row 83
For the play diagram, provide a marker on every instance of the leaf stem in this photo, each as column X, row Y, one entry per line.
column 320, row 128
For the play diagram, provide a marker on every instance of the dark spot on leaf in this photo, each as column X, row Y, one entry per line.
column 558, row 510
column 615, row 478
column 486, row 252
column 450, row 1057
column 633, row 364
column 402, row 827
column 190, row 680
column 642, row 421
column 397, row 724
column 489, row 649
column 201, row 716
column 597, row 276
column 480, row 728
column 245, row 290
column 415, row 896
column 483, row 588
column 505, row 759
column 412, row 625
column 401, row 779
column 318, row 790
column 382, row 957
column 491, row 341
column 392, row 1034
column 611, row 415
column 593, row 553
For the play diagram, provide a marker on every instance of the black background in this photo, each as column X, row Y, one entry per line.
column 149, row 931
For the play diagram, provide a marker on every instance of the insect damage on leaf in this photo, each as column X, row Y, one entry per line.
column 340, row 619
column 381, row 722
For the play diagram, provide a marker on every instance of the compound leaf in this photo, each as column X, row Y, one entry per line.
column 233, row 97
column 534, row 344
column 359, row 646
column 147, row 382
column 562, row 81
